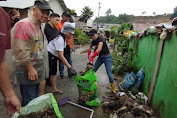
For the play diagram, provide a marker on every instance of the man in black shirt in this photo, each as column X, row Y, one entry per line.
column 104, row 55
column 50, row 29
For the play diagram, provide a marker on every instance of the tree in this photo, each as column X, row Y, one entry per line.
column 108, row 12
column 175, row 9
column 123, row 18
column 144, row 12
column 154, row 13
column 86, row 14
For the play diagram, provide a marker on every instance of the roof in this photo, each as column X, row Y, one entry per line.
column 20, row 4
column 63, row 5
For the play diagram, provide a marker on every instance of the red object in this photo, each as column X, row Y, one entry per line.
column 5, row 38
column 93, row 56
column 88, row 53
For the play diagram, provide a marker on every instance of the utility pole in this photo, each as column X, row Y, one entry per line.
column 98, row 15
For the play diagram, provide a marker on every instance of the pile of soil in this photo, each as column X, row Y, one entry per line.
column 50, row 113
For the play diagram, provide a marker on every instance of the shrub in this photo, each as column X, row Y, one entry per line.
column 81, row 37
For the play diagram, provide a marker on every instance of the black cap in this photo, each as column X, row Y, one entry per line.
column 65, row 13
column 92, row 32
column 42, row 4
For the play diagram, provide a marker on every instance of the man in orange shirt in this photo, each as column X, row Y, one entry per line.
column 65, row 18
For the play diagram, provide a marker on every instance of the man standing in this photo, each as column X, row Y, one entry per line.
column 51, row 32
column 11, row 101
column 28, row 51
column 104, row 55
column 65, row 18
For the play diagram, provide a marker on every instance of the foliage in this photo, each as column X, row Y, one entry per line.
column 112, row 19
column 73, row 11
column 125, row 26
column 86, row 14
column 81, row 37
column 108, row 12
column 124, row 59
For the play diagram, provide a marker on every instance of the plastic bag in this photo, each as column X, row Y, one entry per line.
column 41, row 103
column 87, row 86
column 127, row 82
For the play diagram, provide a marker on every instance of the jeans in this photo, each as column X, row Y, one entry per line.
column 28, row 92
column 107, row 60
column 61, row 64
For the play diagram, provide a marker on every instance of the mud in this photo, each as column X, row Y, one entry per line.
column 49, row 113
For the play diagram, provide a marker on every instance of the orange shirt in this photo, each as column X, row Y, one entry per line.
column 70, row 40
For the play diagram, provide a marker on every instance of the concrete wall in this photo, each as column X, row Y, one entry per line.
column 56, row 6
column 164, row 97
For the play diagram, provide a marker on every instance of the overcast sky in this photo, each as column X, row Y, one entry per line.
column 135, row 7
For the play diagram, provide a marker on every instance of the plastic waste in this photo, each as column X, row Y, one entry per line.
column 139, row 81
column 127, row 82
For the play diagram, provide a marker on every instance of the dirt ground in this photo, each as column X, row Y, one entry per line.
column 69, row 87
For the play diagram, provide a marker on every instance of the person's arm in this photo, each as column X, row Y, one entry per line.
column 63, row 59
column 12, row 103
column 89, row 51
column 100, row 45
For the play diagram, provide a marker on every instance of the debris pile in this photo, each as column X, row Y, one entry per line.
column 127, row 105
column 128, row 102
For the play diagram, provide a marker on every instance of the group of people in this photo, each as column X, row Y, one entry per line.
column 27, row 40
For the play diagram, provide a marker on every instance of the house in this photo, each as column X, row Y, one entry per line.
column 25, row 6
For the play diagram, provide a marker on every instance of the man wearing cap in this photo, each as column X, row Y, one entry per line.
column 65, row 18
column 105, row 57
column 58, row 48
column 28, row 51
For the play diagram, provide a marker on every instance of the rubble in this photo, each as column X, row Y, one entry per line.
column 126, row 106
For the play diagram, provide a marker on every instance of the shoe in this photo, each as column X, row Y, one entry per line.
column 61, row 76
column 113, row 88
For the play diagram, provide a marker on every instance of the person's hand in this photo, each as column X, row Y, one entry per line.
column 73, row 50
column 12, row 104
column 32, row 73
column 88, row 53
column 71, row 72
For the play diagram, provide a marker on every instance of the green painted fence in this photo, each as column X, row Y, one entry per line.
column 164, row 99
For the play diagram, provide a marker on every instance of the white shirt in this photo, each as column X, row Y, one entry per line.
column 57, row 44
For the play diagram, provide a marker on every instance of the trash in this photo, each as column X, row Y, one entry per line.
column 87, row 86
column 121, row 93
column 41, row 103
column 131, row 95
column 121, row 109
column 113, row 115
column 139, row 80
column 141, row 98
column 127, row 82
column 113, row 105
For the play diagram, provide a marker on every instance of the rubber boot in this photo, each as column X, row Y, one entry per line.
column 113, row 88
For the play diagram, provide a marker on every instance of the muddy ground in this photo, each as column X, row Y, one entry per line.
column 69, row 87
